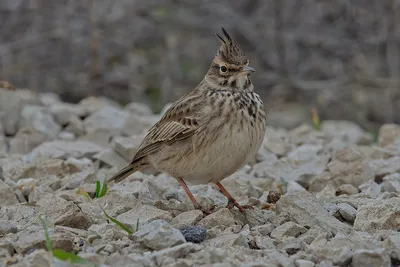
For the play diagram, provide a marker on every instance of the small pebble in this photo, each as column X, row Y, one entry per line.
column 194, row 234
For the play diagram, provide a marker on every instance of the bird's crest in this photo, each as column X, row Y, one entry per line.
column 229, row 52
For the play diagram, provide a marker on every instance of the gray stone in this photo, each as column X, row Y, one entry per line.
column 11, row 103
column 346, row 189
column 264, row 242
column 378, row 215
column 194, row 234
column 63, row 112
column 276, row 141
column 305, row 153
column 176, row 252
column 66, row 136
column 64, row 149
column 145, row 214
column 38, row 118
column 7, row 227
column 287, row 229
column 138, row 109
column 391, row 182
column 227, row 241
column 306, row 134
column 290, row 245
column 370, row 188
column 159, row 235
column 222, row 218
column 303, row 208
column 385, row 166
column 26, row 139
column 111, row 158
column 110, row 118
column 392, row 244
column 304, row 263
column 101, row 138
column 355, row 172
column 34, row 238
column 62, row 212
column 188, row 218
column 346, row 131
column 127, row 147
column 7, row 196
column 48, row 99
column 378, row 257
column 92, row 104
column 75, row 125
column 136, row 125
column 20, row 215
column 38, row 257
column 347, row 212
column 388, row 134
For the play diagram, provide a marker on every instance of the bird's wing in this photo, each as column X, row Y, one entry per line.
column 179, row 122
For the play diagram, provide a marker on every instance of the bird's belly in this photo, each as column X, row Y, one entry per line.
column 217, row 159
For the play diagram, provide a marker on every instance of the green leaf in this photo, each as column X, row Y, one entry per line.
column 49, row 244
column 70, row 257
column 120, row 224
column 101, row 189
column 98, row 188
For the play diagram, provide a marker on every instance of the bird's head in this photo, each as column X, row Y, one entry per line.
column 230, row 67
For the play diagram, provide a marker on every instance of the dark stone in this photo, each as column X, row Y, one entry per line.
column 194, row 234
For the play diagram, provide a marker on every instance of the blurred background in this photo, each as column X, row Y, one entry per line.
column 341, row 57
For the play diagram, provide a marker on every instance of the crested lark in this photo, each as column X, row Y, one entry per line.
column 209, row 133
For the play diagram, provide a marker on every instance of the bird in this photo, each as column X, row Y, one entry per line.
column 209, row 133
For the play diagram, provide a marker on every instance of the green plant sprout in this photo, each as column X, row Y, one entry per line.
column 316, row 120
column 101, row 191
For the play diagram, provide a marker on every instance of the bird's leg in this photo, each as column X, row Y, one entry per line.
column 231, row 201
column 191, row 197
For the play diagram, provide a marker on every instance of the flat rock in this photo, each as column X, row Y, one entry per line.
column 391, row 182
column 39, row 119
column 38, row 257
column 378, row 257
column 145, row 214
column 223, row 218
column 34, row 238
column 11, row 104
column 65, row 149
column 347, row 131
column 7, row 196
column 62, row 212
column 110, row 118
column 63, row 112
column 304, row 209
column 227, row 240
column 127, row 147
column 188, row 218
column 287, row 229
column 26, row 140
column 385, row 166
column 378, row 215
column 158, row 235
column 388, row 134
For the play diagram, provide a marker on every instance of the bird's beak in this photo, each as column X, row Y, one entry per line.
column 248, row 69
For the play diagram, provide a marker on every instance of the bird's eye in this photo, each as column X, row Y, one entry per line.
column 223, row 68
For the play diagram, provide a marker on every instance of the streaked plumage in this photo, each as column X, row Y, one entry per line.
column 211, row 132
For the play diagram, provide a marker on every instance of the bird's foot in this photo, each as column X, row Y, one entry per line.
column 233, row 203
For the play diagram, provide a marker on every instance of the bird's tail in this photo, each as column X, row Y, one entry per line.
column 125, row 172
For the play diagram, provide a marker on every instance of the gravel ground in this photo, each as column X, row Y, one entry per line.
column 340, row 204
